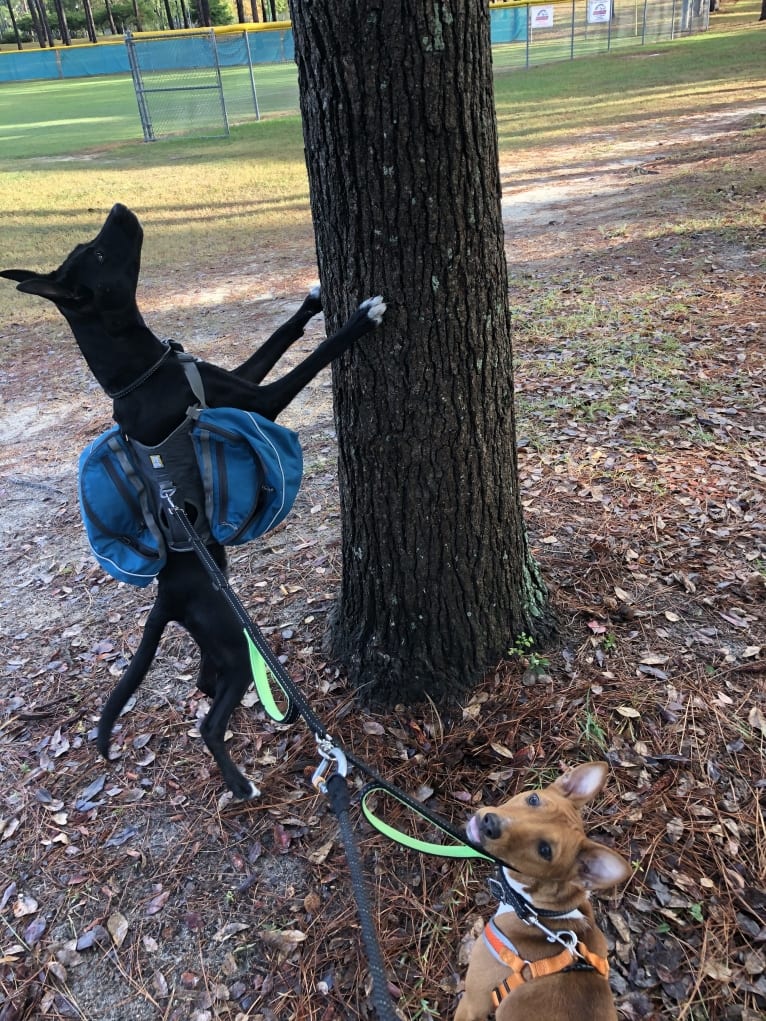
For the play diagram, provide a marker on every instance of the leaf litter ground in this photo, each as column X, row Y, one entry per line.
column 136, row 890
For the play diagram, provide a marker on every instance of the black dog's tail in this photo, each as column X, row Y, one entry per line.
column 134, row 674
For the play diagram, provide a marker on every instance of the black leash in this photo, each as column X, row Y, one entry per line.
column 335, row 788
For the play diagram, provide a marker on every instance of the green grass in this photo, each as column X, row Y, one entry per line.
column 49, row 119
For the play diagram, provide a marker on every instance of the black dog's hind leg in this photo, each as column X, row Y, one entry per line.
column 136, row 671
column 232, row 683
column 269, row 353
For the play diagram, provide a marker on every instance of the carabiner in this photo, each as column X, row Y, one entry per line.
column 330, row 754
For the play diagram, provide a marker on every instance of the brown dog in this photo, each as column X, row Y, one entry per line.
column 542, row 956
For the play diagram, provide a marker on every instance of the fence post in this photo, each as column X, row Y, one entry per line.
column 220, row 80
column 252, row 76
column 572, row 32
column 138, row 85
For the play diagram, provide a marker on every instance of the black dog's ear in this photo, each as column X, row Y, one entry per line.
column 42, row 286
column 19, row 275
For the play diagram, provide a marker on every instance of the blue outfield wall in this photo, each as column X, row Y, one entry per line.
column 267, row 45
column 178, row 51
column 64, row 62
column 508, row 25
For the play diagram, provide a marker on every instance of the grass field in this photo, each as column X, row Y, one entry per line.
column 66, row 149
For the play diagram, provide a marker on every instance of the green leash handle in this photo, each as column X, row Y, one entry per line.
column 460, row 849
column 263, row 686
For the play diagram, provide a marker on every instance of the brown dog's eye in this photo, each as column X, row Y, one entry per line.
column 533, row 800
column 544, row 850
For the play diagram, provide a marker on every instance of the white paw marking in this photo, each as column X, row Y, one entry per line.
column 255, row 792
column 375, row 308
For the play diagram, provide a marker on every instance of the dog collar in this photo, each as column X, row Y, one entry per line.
column 116, row 394
column 502, row 891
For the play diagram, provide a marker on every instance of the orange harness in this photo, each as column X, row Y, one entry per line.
column 578, row 958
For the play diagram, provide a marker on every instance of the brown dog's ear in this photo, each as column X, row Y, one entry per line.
column 600, row 867
column 44, row 286
column 581, row 784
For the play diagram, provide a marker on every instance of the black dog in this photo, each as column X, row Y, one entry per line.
column 95, row 290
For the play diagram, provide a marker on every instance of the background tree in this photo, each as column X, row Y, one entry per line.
column 62, row 23
column 16, row 28
column 401, row 148
column 41, row 22
column 90, row 25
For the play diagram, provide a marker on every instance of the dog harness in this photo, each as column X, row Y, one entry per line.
column 576, row 957
column 234, row 474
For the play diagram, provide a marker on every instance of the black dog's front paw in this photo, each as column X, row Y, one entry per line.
column 374, row 309
column 313, row 301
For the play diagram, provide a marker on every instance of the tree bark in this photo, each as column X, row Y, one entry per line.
column 401, row 149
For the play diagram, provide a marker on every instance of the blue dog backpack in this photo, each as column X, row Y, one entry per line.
column 235, row 473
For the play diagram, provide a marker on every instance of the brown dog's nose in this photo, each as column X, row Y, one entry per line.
column 490, row 826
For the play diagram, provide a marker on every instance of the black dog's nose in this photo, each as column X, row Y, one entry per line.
column 490, row 826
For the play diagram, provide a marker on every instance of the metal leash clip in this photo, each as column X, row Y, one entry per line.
column 565, row 937
column 330, row 755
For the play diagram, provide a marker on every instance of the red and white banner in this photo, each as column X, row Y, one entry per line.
column 542, row 16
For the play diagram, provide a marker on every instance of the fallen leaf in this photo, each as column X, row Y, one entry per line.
column 501, row 749
column 229, row 930
column 373, row 727
column 285, row 940
column 83, row 801
column 24, row 905
column 756, row 719
column 157, row 903
column 117, row 926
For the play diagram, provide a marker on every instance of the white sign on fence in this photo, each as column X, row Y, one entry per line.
column 541, row 17
column 598, row 11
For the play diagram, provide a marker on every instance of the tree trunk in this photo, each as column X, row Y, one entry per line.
column 110, row 16
column 137, row 16
column 90, row 24
column 255, row 11
column 401, row 147
column 37, row 25
column 66, row 38
column 16, row 28
column 42, row 14
column 241, row 12
column 203, row 11
column 763, row 11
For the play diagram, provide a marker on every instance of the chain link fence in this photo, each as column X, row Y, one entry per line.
column 526, row 34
